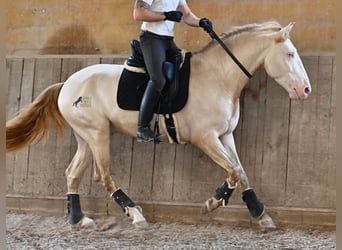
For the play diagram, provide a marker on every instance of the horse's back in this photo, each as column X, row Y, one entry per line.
column 95, row 71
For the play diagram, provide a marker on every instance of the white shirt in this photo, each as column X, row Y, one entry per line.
column 163, row 28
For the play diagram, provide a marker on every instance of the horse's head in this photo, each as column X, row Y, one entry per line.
column 284, row 65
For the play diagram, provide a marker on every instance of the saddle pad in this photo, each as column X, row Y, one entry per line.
column 132, row 87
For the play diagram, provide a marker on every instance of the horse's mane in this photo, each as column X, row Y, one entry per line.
column 236, row 31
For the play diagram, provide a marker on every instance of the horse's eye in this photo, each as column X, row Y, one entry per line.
column 290, row 54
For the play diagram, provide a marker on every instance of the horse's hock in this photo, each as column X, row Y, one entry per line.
column 287, row 148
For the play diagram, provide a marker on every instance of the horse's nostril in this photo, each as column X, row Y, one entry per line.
column 307, row 90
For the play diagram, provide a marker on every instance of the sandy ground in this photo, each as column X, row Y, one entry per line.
column 30, row 231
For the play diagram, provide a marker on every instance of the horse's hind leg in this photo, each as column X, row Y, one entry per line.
column 100, row 147
column 74, row 174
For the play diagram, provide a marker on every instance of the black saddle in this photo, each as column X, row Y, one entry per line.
column 133, row 82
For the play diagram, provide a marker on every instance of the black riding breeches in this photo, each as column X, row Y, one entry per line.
column 156, row 49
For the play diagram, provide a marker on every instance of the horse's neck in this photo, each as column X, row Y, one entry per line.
column 224, row 72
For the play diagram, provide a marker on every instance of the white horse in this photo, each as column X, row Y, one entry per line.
column 207, row 121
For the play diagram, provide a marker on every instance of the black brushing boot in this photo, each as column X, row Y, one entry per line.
column 148, row 102
column 74, row 208
column 255, row 207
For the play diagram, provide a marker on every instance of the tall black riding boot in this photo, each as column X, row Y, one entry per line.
column 148, row 102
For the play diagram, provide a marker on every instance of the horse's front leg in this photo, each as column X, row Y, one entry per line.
column 228, row 160
column 223, row 151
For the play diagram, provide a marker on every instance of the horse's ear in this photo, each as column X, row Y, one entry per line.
column 284, row 33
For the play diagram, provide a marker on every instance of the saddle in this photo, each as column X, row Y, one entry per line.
column 134, row 78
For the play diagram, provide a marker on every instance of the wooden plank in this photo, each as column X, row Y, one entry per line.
column 140, row 187
column 301, row 141
column 251, row 124
column 107, row 60
column 259, row 158
column 42, row 157
column 182, row 173
column 331, row 171
column 165, row 212
column 20, row 181
column 14, row 68
column 163, row 175
column 121, row 160
column 310, row 137
column 275, row 143
column 206, row 176
column 119, row 60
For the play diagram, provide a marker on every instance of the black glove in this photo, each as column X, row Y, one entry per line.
column 173, row 15
column 207, row 25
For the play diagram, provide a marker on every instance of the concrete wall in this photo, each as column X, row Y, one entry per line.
column 107, row 26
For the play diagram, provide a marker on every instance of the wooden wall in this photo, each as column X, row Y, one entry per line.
column 287, row 147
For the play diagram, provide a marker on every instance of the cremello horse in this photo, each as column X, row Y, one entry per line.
column 214, row 77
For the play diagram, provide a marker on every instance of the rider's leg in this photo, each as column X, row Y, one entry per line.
column 148, row 103
column 154, row 50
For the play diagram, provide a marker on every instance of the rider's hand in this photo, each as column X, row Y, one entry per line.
column 207, row 25
column 175, row 16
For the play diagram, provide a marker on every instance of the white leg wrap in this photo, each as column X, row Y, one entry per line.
column 85, row 223
column 135, row 213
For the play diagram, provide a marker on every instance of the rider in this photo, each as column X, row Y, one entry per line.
column 156, row 40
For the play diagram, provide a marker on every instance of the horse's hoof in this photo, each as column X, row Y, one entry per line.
column 85, row 223
column 135, row 213
column 266, row 223
column 142, row 224
column 210, row 205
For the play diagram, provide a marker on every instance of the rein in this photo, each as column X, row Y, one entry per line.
column 213, row 35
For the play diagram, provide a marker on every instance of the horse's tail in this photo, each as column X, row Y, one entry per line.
column 32, row 122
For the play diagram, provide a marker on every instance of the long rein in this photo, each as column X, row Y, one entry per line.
column 213, row 35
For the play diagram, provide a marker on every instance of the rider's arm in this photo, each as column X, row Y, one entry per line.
column 188, row 16
column 142, row 12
